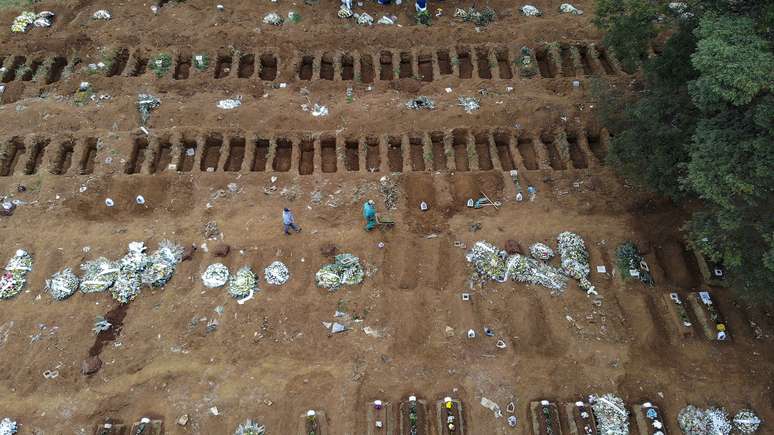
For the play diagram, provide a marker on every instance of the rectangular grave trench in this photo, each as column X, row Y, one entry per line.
column 89, row 156
column 482, row 149
column 268, row 67
column 425, row 65
column 416, row 152
column 260, row 155
column 55, row 72
column 283, row 155
column 328, row 154
column 568, row 66
column 504, row 64
column 527, row 151
column 460, row 146
column 439, row 151
column 576, row 153
column 306, row 68
column 351, row 155
column 223, row 66
column 502, row 142
column 585, row 61
column 373, row 156
column 182, row 66
column 137, row 156
column 465, row 64
column 347, row 67
column 236, row 154
column 385, row 66
column 29, row 73
column 16, row 153
column 120, row 59
column 366, row 68
column 597, row 147
column 10, row 73
column 211, row 152
column 326, row 67
column 444, row 62
column 554, row 158
column 405, row 69
column 38, row 152
column 306, row 157
column 187, row 155
column 164, row 155
column 604, row 60
column 140, row 64
column 545, row 65
column 484, row 69
column 65, row 158
column 395, row 153
column 246, row 67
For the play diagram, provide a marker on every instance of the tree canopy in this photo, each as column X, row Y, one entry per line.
column 703, row 126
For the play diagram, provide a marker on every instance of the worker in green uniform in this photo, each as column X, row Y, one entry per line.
column 369, row 213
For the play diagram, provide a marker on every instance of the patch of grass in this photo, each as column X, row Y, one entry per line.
column 161, row 64
column 82, row 98
column 5, row 4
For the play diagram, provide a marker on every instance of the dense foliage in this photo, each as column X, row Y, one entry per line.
column 703, row 125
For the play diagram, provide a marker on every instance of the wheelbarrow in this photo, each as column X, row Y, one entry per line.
column 383, row 221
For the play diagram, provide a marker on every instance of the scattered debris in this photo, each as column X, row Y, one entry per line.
column 387, row 21
column 211, row 230
column 102, row 14
column 273, row 18
column 421, row 102
column 479, row 17
column 22, row 22
column 746, row 421
column 389, row 191
column 344, row 12
column 530, row 11
column 101, row 325
column 98, row 275
column 697, row 421
column 319, row 110
column 567, row 8
column 345, row 270
column 216, row 275
column 469, row 104
column 145, row 105
column 182, row 420
column 62, row 284
column 250, row 427
column 611, row 415
column 242, row 283
column 7, row 426
column 229, row 104
column 575, row 258
column 540, row 251
column 492, row 264
column 364, row 19
column 492, row 406
column 15, row 276
column 276, row 273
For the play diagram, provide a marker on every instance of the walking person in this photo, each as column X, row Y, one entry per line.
column 289, row 221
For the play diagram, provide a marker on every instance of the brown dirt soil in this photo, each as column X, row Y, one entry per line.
column 271, row 359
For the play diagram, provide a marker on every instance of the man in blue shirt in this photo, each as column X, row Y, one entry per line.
column 289, row 221
column 369, row 213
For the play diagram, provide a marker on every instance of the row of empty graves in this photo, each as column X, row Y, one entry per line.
column 468, row 62
column 456, row 150
column 483, row 62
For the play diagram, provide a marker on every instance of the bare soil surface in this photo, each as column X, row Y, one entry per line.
column 271, row 359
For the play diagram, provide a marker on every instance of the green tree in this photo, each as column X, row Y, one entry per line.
column 703, row 127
